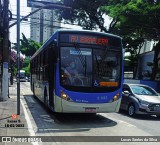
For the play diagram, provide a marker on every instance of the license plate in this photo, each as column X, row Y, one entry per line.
column 157, row 109
column 90, row 110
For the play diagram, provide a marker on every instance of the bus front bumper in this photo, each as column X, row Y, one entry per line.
column 72, row 107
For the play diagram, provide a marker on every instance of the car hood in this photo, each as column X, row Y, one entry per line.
column 151, row 99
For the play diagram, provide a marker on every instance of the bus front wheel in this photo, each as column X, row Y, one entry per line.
column 45, row 97
column 33, row 90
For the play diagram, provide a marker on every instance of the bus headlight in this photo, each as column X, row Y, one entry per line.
column 65, row 97
column 115, row 98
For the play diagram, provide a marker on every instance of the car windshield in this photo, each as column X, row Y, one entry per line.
column 143, row 90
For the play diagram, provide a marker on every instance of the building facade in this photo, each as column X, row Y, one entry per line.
column 43, row 24
column 148, row 46
column 145, row 61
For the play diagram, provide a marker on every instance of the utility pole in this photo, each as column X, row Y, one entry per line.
column 18, row 57
column 5, row 51
column 1, row 25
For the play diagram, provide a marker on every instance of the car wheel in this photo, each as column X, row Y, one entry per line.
column 131, row 110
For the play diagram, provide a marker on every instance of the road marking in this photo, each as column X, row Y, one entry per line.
column 30, row 127
column 30, row 100
column 121, row 121
column 128, row 124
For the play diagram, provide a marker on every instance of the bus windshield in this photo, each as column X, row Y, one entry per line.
column 90, row 67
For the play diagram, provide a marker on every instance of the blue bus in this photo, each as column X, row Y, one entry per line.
column 78, row 71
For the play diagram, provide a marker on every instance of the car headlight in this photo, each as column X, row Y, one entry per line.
column 143, row 102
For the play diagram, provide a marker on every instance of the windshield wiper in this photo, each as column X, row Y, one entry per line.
column 97, row 64
column 105, row 54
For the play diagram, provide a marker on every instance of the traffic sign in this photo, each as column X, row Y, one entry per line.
column 45, row 5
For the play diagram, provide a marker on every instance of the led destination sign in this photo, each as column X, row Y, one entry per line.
column 88, row 39
column 97, row 40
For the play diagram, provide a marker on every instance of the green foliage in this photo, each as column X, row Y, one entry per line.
column 26, row 66
column 135, row 17
column 136, row 21
column 87, row 14
column 28, row 46
column 26, row 61
column 14, row 70
column 131, row 60
column 27, row 70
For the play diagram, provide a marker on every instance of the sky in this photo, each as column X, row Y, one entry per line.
column 25, row 26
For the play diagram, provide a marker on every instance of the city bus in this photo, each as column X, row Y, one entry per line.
column 79, row 71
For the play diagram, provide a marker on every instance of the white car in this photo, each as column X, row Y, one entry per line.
column 140, row 99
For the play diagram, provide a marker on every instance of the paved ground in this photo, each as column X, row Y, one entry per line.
column 10, row 124
column 38, row 122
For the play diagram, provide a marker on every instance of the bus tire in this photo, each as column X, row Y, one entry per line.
column 45, row 100
column 33, row 90
column 45, row 97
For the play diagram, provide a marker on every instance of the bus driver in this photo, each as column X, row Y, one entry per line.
column 72, row 74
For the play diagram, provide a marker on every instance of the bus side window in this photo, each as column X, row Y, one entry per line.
column 36, row 66
column 41, row 67
column 39, row 62
column 45, row 72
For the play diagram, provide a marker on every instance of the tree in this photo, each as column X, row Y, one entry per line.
column 26, row 66
column 28, row 46
column 136, row 19
column 86, row 14
column 13, row 63
column 133, row 46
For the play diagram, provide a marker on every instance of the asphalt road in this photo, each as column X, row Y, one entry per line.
column 44, row 123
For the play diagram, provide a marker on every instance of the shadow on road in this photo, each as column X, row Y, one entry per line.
column 140, row 116
column 57, row 122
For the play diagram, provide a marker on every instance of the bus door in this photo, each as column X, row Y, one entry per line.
column 52, row 66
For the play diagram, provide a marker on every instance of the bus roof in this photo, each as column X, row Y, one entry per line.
column 87, row 31
column 53, row 36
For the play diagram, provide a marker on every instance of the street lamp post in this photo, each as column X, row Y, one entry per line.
column 18, row 57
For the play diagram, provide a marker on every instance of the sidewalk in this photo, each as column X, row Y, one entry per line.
column 10, row 124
